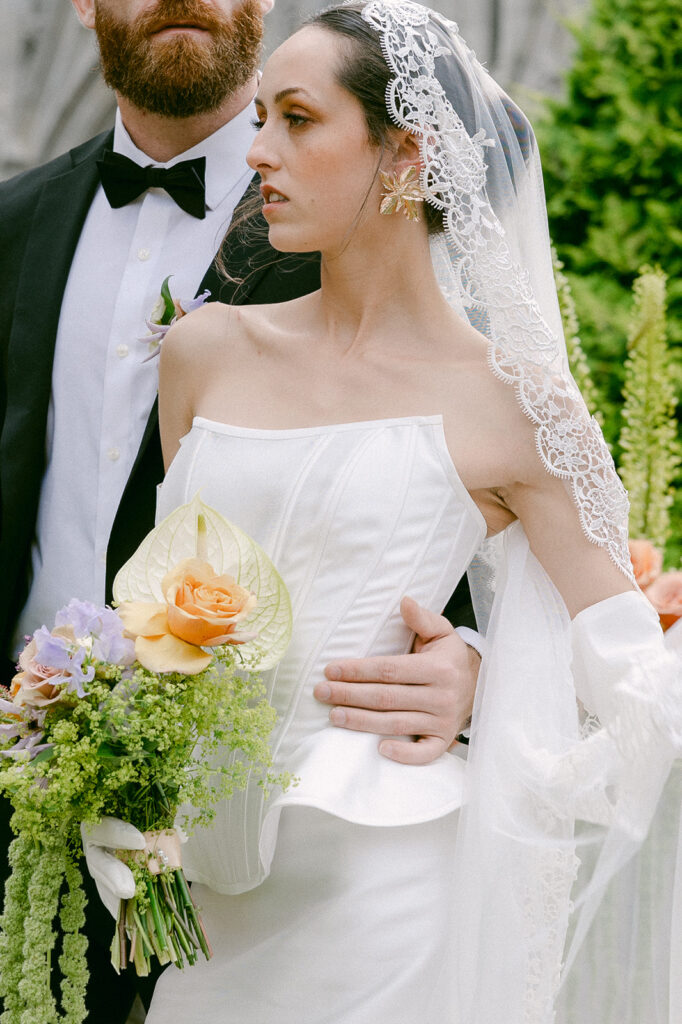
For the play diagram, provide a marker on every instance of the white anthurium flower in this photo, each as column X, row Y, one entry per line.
column 196, row 533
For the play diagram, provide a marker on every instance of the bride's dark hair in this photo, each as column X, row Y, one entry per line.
column 364, row 74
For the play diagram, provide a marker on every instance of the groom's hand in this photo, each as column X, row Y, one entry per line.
column 426, row 695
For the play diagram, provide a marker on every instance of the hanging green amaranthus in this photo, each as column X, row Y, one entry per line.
column 648, row 438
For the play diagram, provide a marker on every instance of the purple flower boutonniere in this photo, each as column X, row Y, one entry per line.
column 164, row 314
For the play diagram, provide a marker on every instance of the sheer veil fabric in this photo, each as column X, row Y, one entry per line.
column 576, row 724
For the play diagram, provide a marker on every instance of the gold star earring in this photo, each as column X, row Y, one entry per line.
column 401, row 192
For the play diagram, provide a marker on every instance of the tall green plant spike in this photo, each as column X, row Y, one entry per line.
column 610, row 149
column 577, row 360
column 651, row 452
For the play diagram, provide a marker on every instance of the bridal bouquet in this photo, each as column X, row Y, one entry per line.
column 130, row 713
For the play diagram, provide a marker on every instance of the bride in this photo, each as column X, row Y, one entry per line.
column 371, row 436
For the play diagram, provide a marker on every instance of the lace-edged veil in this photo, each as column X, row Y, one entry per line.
column 481, row 167
column 557, row 802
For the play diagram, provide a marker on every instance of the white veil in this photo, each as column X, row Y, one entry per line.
column 577, row 723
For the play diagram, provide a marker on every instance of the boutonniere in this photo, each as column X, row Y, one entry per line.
column 164, row 314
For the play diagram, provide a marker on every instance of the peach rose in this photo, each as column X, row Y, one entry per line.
column 647, row 561
column 202, row 610
column 36, row 685
column 665, row 594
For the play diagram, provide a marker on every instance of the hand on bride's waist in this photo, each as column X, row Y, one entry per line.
column 427, row 694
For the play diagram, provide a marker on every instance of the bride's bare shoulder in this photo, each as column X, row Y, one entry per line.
column 486, row 415
column 215, row 327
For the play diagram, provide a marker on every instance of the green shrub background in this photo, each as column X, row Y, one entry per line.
column 612, row 159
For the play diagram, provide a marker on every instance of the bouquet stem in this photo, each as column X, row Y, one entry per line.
column 168, row 926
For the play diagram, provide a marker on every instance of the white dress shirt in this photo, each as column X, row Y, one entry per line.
column 102, row 389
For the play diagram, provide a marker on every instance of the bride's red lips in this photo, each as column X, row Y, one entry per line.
column 267, row 190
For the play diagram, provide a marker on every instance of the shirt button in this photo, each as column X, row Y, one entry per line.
column 122, row 351
column 114, row 454
column 143, row 254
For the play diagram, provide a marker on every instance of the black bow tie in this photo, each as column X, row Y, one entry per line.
column 123, row 180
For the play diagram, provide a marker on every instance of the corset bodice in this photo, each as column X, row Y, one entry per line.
column 354, row 516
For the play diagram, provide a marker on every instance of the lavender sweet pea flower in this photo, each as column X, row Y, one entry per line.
column 112, row 646
column 33, row 744
column 22, row 716
column 53, row 651
column 25, row 726
column 157, row 332
column 189, row 305
column 80, row 615
column 26, row 748
column 103, row 629
column 8, row 708
column 61, row 653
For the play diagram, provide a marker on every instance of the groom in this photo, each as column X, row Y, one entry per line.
column 85, row 243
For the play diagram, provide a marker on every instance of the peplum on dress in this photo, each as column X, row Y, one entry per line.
column 332, row 902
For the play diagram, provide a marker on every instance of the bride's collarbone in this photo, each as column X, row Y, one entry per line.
column 268, row 372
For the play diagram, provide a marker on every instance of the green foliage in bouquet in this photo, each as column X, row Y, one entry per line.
column 126, row 750
column 650, row 452
column 612, row 159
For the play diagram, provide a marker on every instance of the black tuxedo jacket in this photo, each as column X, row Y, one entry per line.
column 41, row 217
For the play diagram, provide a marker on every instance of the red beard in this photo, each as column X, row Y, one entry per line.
column 182, row 75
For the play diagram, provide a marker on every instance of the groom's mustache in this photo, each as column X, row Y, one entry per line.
column 179, row 12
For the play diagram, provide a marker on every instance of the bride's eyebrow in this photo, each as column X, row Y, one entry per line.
column 287, row 92
column 282, row 94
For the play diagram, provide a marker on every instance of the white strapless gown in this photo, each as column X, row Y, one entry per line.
column 332, row 902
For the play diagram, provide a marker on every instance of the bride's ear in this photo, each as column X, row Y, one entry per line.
column 405, row 151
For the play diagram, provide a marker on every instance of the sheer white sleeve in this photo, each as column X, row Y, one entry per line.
column 575, row 728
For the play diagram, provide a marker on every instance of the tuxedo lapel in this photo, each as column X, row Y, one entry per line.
column 58, row 219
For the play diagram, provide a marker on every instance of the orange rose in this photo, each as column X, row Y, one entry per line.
column 665, row 594
column 647, row 561
column 202, row 610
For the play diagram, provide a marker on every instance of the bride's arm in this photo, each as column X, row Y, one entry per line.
column 583, row 573
column 509, row 480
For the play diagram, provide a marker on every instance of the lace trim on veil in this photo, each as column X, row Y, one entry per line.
column 494, row 289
